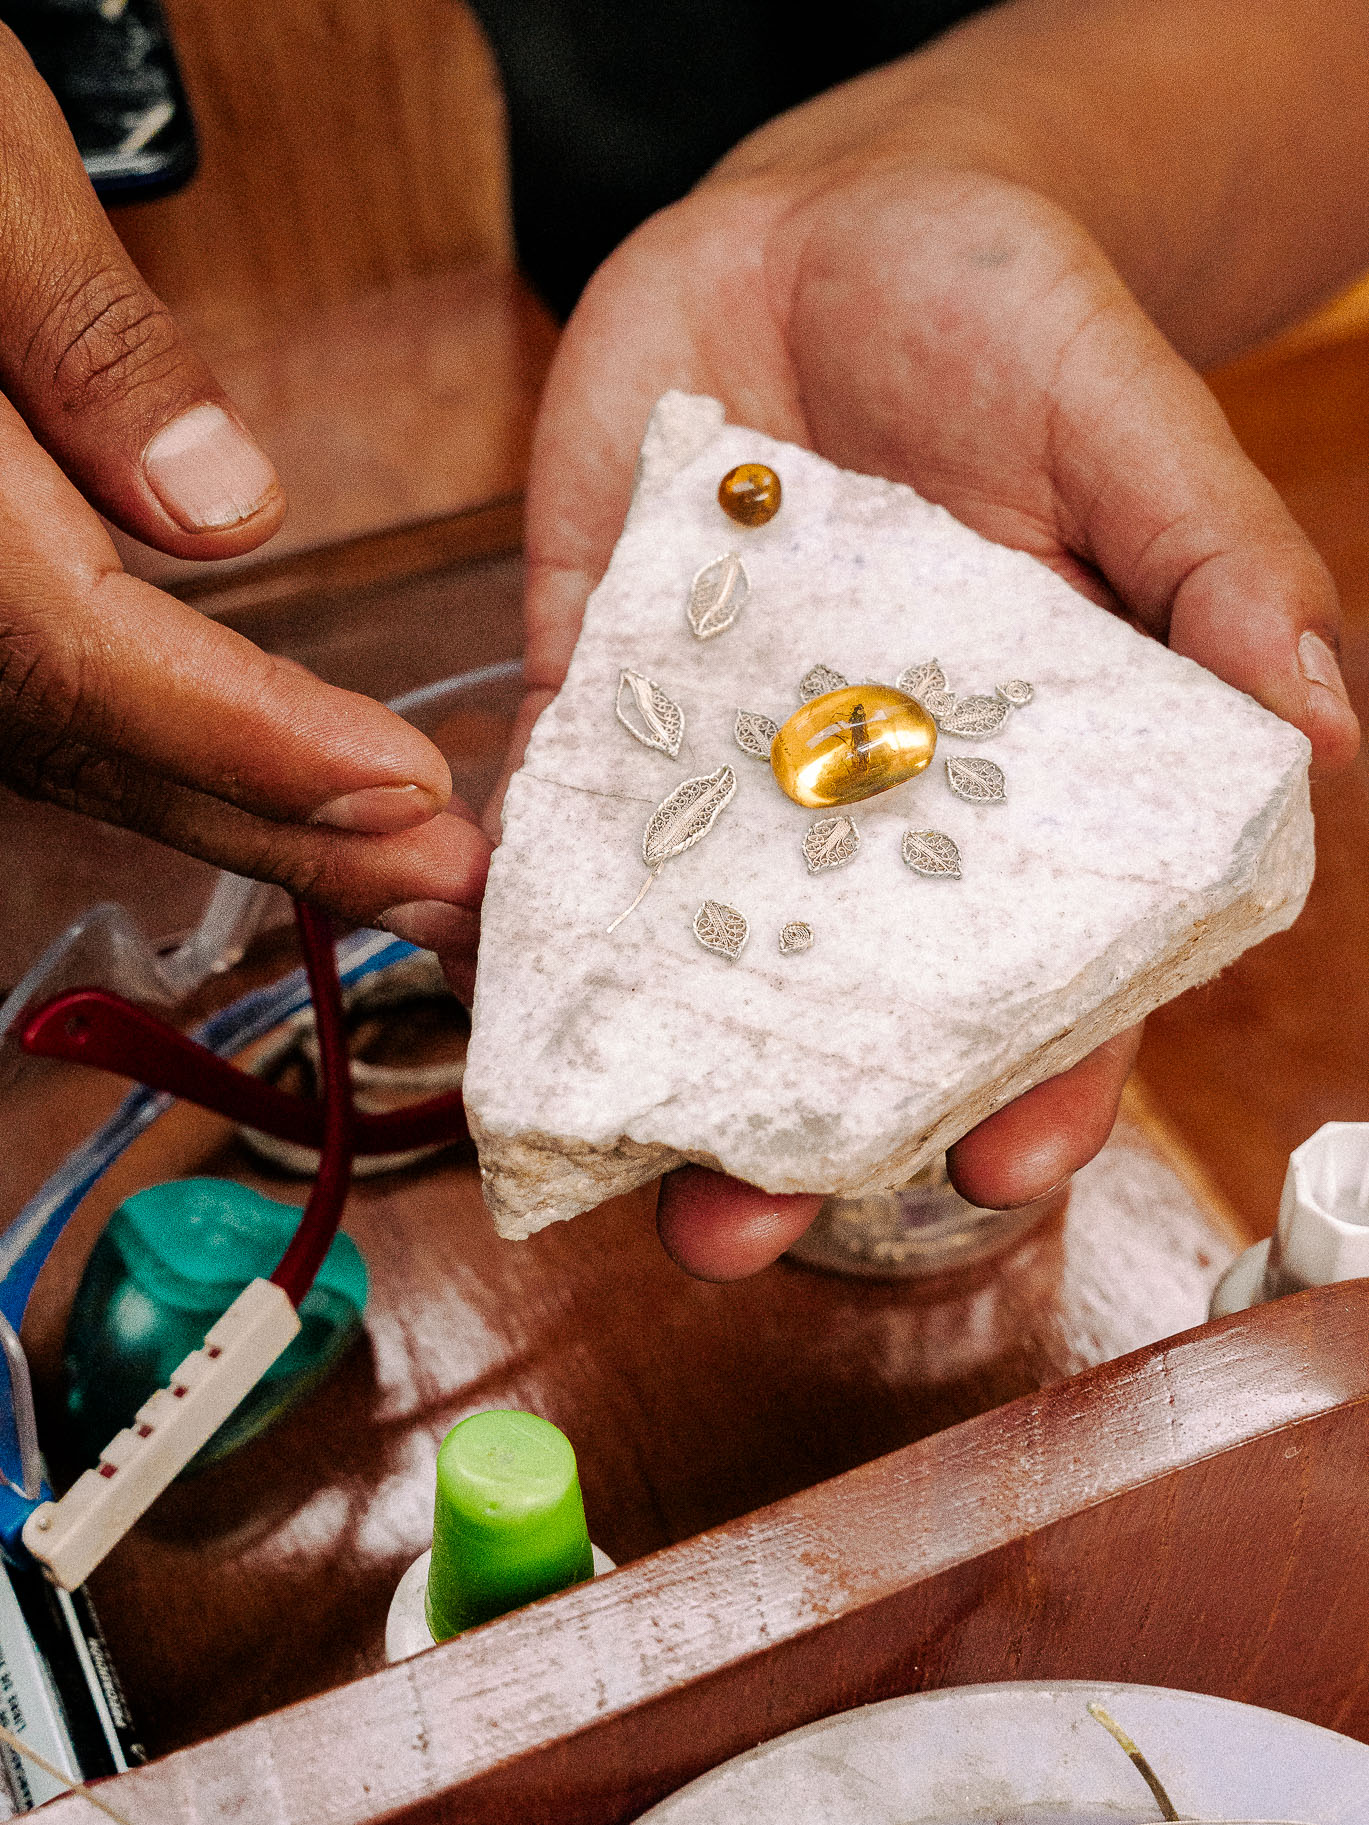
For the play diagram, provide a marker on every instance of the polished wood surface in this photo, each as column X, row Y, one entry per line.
column 1250, row 1065
column 1181, row 1517
column 343, row 147
column 309, row 583
column 343, row 261
column 689, row 1404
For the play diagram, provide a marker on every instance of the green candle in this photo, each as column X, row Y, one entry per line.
column 508, row 1523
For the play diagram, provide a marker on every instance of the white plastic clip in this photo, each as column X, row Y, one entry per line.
column 71, row 1536
column 1323, row 1229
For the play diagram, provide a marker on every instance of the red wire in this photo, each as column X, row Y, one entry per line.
column 97, row 1028
column 322, row 1214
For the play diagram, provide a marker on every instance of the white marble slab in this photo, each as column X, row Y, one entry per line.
column 1156, row 824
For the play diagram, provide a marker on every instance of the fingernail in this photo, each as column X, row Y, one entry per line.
column 1051, row 1191
column 206, row 471
column 379, row 810
column 430, row 924
column 1319, row 665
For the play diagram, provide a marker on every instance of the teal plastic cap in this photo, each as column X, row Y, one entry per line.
column 195, row 1243
column 173, row 1259
column 508, row 1523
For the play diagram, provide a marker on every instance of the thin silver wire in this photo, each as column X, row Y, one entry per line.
column 25, row 1421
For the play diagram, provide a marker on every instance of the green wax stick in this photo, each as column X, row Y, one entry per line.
column 509, row 1521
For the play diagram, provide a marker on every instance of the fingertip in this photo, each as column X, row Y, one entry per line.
column 1266, row 619
column 993, row 1170
column 433, row 925
column 440, row 867
column 718, row 1229
column 381, row 810
column 1032, row 1145
column 470, row 851
column 459, row 970
column 555, row 596
column 529, row 710
column 205, row 707
column 1335, row 736
column 1331, row 723
column 211, row 483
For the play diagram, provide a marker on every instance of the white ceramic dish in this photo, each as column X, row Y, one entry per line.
column 1030, row 1754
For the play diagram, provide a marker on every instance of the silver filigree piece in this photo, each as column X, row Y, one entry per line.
column 931, row 852
column 720, row 929
column 830, row 842
column 980, row 781
column 917, row 680
column 819, row 682
column 678, row 822
column 938, row 704
column 689, row 813
column 717, row 596
column 797, row 935
column 974, row 716
column 648, row 715
column 1016, row 692
column 753, row 733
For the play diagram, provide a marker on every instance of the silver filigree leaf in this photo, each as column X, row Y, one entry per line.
column 980, row 781
column 917, row 680
column 677, row 823
column 819, row 682
column 648, row 715
column 797, row 935
column 974, row 716
column 720, row 929
column 689, row 813
column 938, row 703
column 830, row 842
column 717, row 596
column 753, row 733
column 930, row 852
column 1016, row 692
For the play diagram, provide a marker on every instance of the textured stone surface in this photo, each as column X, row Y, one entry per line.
column 1156, row 824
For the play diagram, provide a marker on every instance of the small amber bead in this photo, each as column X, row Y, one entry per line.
column 750, row 494
column 851, row 744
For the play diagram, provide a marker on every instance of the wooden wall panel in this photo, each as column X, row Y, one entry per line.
column 343, row 262
column 345, row 145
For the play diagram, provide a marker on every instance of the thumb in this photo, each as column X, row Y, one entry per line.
column 1194, row 540
column 94, row 362
column 1010, row 375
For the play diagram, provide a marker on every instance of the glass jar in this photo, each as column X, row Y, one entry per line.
column 922, row 1229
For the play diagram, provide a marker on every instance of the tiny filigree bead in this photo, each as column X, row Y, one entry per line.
column 750, row 494
column 851, row 744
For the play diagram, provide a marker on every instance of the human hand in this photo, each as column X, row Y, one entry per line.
column 118, row 700
column 936, row 322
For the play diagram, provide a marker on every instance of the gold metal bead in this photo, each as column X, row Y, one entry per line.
column 851, row 744
column 750, row 494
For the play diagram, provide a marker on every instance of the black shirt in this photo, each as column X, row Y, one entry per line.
column 618, row 107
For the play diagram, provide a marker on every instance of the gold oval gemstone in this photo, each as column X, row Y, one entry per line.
column 851, row 744
column 750, row 494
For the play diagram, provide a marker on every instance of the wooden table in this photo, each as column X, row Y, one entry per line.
column 690, row 1404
